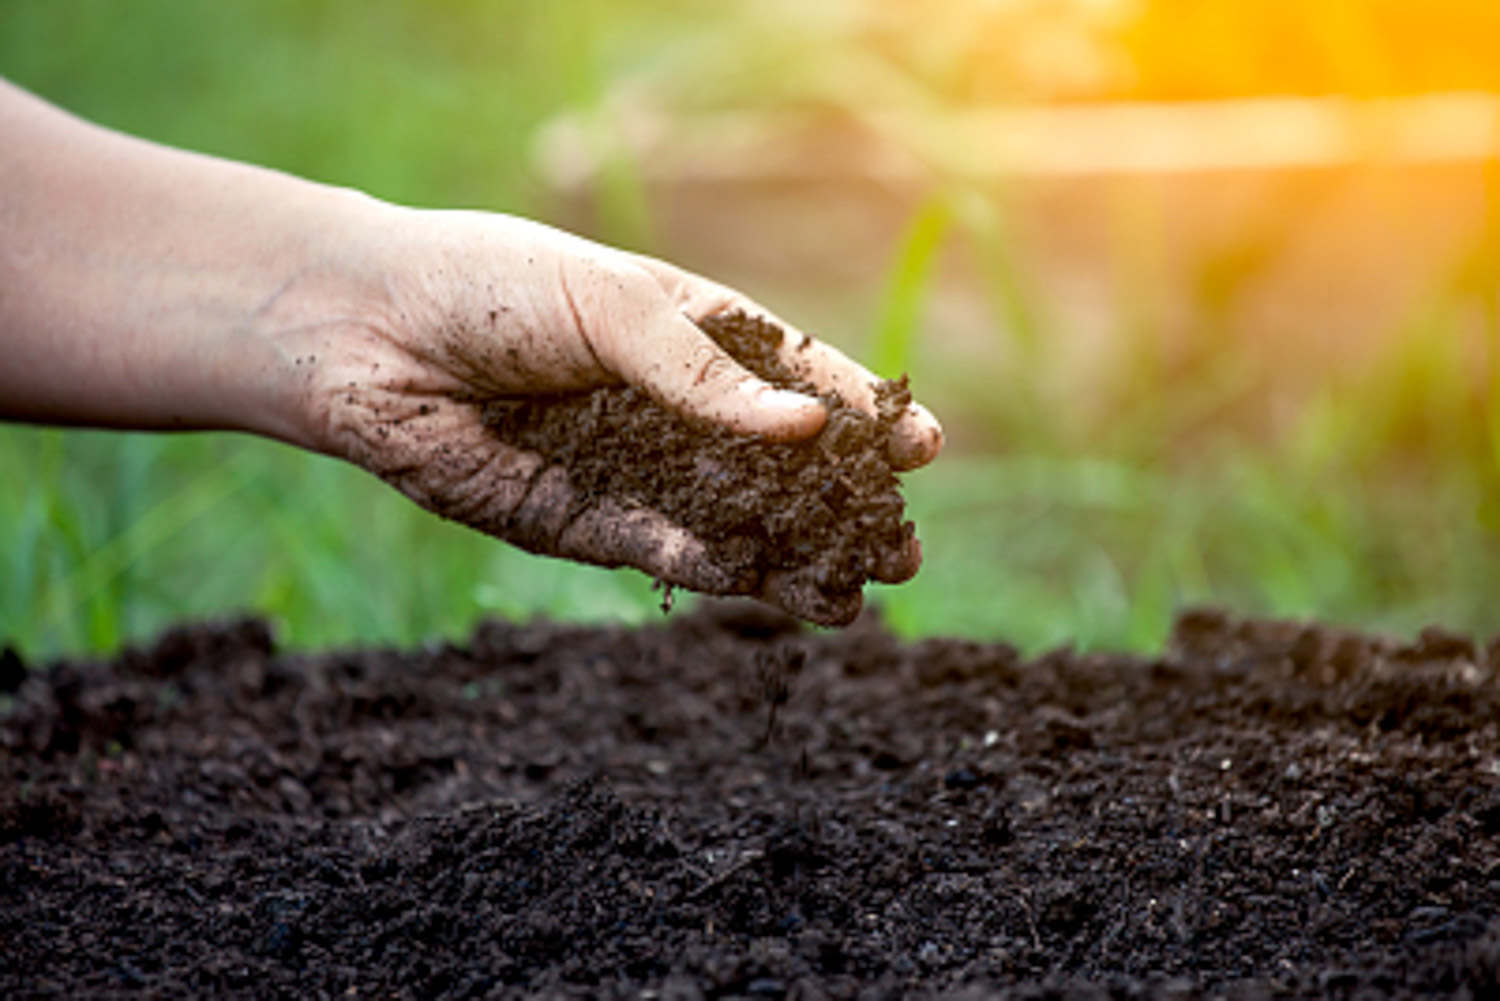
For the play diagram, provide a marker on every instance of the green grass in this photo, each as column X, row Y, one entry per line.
column 908, row 288
column 120, row 534
column 1376, row 507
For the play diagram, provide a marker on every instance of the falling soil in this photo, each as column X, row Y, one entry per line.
column 828, row 508
column 1265, row 810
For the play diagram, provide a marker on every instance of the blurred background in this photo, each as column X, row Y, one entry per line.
column 1206, row 292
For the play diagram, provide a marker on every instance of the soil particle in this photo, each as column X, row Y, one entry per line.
column 1268, row 810
column 829, row 509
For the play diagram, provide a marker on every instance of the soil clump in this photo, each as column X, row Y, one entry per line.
column 1268, row 809
column 828, row 508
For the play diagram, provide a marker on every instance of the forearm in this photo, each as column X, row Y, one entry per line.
column 145, row 287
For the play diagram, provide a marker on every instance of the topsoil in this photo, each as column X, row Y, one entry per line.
column 726, row 806
column 828, row 509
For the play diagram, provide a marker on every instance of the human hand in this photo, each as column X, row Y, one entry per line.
column 150, row 288
column 468, row 307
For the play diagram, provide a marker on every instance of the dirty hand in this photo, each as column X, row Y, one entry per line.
column 145, row 287
column 474, row 306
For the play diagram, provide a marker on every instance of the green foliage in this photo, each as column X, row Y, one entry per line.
column 890, row 353
column 112, row 536
column 1376, row 506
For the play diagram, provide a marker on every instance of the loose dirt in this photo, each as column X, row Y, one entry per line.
column 829, row 508
column 1265, row 810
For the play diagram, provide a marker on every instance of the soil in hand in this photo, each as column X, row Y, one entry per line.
column 1267, row 810
column 828, row 509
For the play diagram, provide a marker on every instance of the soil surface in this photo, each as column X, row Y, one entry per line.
column 828, row 508
column 727, row 806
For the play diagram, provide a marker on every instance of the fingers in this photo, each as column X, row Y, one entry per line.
column 610, row 535
column 543, row 514
column 514, row 494
column 916, row 437
column 687, row 371
column 551, row 520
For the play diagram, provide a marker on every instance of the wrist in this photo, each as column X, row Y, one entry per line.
column 295, row 344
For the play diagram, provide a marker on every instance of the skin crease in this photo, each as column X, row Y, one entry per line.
column 144, row 287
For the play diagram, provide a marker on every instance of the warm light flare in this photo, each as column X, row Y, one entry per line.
column 987, row 50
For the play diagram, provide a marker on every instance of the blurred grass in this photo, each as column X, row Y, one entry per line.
column 117, row 535
column 908, row 287
column 1376, row 506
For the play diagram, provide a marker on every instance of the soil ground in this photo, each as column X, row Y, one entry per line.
column 1265, row 810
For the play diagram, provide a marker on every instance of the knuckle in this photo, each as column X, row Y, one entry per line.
column 711, row 367
column 611, row 279
column 613, row 300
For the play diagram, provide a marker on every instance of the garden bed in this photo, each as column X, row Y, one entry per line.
column 730, row 806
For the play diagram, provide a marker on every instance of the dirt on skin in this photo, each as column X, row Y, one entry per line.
column 828, row 508
column 1266, row 810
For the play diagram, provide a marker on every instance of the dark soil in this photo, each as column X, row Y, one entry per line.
column 829, row 508
column 1266, row 810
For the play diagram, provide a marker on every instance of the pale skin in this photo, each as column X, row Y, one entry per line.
column 148, row 288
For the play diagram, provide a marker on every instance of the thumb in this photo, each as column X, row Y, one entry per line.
column 679, row 364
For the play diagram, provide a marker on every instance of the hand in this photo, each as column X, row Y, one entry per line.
column 475, row 306
column 145, row 287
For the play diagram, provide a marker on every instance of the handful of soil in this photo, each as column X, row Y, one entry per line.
column 827, row 509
